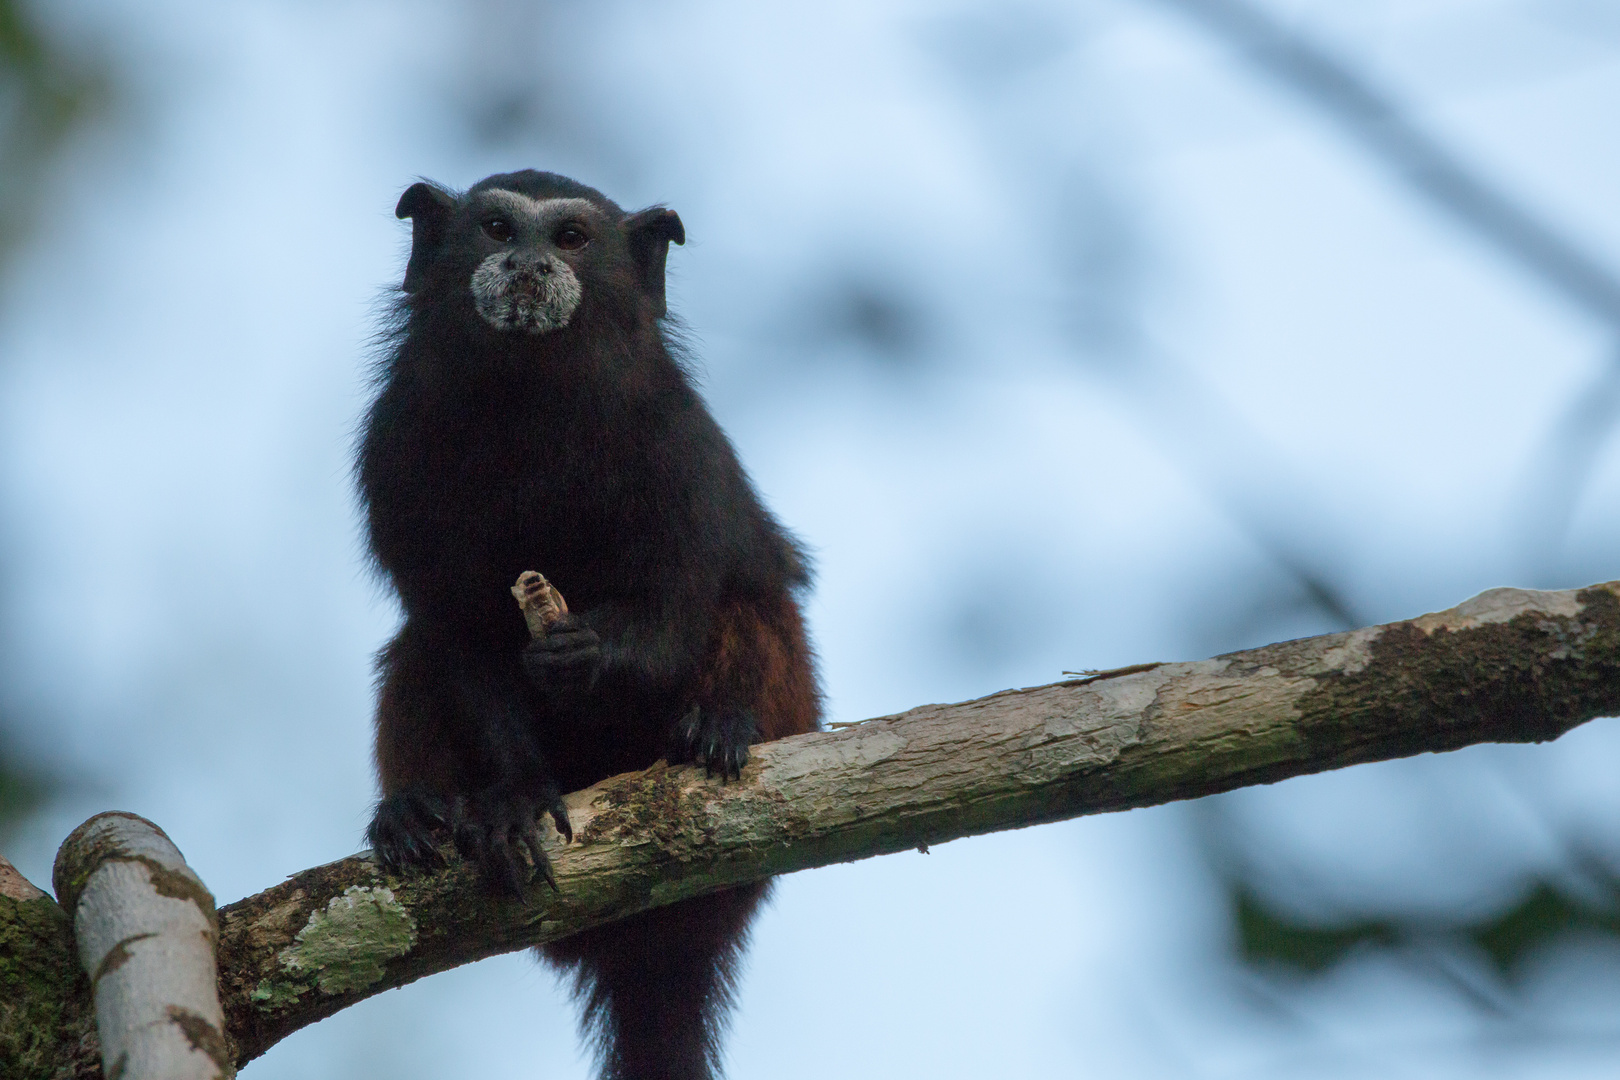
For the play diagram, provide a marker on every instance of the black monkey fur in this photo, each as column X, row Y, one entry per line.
column 532, row 414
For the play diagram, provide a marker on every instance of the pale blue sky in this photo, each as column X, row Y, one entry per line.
column 1054, row 205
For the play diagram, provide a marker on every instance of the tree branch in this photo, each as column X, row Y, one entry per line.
column 146, row 931
column 1507, row 666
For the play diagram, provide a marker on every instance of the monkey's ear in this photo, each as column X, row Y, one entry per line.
column 429, row 208
column 650, row 233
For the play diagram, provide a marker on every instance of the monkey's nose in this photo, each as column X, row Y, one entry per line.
column 528, row 263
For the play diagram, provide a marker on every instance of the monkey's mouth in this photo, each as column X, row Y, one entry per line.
column 527, row 285
column 534, row 300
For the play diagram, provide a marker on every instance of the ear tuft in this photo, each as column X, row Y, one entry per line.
column 423, row 199
column 650, row 232
column 659, row 222
column 429, row 209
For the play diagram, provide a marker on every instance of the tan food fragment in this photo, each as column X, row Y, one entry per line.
column 542, row 604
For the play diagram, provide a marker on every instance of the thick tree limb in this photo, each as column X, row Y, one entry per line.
column 145, row 929
column 1508, row 666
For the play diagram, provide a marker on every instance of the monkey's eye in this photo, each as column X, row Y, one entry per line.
column 571, row 239
column 498, row 230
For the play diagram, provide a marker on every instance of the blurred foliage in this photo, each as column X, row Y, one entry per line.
column 1266, row 936
column 1269, row 938
column 23, row 787
column 48, row 92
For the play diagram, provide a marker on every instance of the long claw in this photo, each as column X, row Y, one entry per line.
column 542, row 865
column 719, row 740
column 559, row 817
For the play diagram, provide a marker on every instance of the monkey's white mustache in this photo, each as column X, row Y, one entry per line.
column 532, row 295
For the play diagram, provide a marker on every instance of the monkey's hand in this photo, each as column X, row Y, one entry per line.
column 718, row 739
column 566, row 661
column 406, row 828
column 498, row 826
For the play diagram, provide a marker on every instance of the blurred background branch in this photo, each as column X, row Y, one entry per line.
column 1351, row 98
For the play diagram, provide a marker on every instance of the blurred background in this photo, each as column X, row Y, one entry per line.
column 1068, row 335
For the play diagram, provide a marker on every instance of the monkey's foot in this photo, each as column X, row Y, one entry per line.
column 718, row 739
column 567, row 660
column 496, row 828
column 405, row 830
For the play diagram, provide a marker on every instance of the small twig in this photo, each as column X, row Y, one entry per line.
column 1091, row 675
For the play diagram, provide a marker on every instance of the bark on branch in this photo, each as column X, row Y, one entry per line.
column 146, row 932
column 1507, row 666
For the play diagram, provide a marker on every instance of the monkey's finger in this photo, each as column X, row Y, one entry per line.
column 573, row 643
column 470, row 842
column 559, row 818
column 542, row 865
column 402, row 833
column 420, row 851
column 683, row 740
column 714, row 748
column 428, row 808
column 503, row 867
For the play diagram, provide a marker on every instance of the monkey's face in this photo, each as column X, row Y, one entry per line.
column 529, row 248
column 527, row 281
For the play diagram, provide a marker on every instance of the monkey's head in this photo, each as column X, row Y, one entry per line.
column 528, row 248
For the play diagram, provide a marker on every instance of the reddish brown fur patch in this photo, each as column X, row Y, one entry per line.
column 760, row 660
column 413, row 724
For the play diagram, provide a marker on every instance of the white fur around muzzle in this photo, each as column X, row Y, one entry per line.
column 521, row 297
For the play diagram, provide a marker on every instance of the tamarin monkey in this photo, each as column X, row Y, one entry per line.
column 533, row 413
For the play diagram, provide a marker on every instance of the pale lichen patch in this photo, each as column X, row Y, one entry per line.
column 1353, row 653
column 346, row 946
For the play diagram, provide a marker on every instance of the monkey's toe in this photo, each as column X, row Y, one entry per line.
column 405, row 831
column 720, row 740
column 498, row 830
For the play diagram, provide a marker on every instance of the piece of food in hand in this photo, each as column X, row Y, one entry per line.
column 542, row 604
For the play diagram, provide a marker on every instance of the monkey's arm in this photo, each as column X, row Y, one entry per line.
column 655, row 647
column 458, row 753
column 647, row 627
column 498, row 820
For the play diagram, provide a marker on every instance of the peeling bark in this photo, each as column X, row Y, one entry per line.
column 1508, row 666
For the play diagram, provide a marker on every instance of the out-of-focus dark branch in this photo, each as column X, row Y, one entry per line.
column 1373, row 118
column 1242, row 474
column 1191, row 419
column 1566, row 457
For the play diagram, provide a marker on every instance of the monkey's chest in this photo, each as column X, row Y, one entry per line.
column 474, row 513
